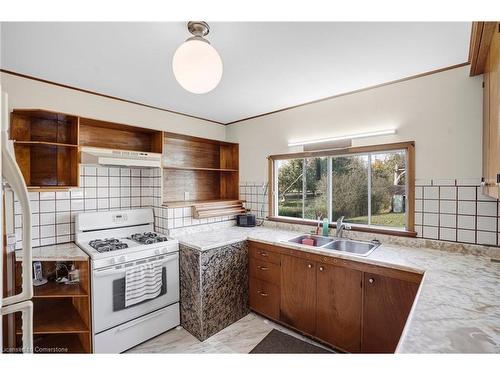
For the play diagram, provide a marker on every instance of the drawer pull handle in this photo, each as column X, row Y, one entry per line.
column 371, row 280
column 321, row 268
column 263, row 253
column 262, row 268
column 309, row 265
column 263, row 294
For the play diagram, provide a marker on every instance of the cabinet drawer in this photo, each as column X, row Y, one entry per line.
column 265, row 271
column 261, row 252
column 265, row 298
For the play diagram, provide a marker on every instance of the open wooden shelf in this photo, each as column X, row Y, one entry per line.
column 203, row 169
column 46, row 147
column 57, row 315
column 61, row 313
column 55, row 290
column 105, row 134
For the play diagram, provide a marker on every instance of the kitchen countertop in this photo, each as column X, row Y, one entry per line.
column 60, row 252
column 457, row 309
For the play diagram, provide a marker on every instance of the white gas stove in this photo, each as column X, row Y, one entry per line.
column 117, row 242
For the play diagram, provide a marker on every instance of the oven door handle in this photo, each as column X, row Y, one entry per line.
column 114, row 271
column 139, row 321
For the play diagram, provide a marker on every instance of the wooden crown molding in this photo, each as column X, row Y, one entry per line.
column 106, row 96
column 246, row 118
column 480, row 40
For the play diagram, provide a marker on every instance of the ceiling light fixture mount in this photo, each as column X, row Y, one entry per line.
column 196, row 64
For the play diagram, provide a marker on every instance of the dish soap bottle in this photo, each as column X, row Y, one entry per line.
column 325, row 226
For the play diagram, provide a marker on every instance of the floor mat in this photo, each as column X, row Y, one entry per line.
column 277, row 342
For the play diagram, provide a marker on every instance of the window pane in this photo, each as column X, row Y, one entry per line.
column 316, row 188
column 290, row 187
column 350, row 188
column 388, row 189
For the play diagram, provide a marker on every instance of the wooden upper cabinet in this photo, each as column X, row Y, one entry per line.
column 386, row 304
column 484, row 56
column 298, row 293
column 338, row 306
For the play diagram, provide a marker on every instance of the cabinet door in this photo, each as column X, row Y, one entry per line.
column 386, row 305
column 264, row 298
column 338, row 306
column 298, row 293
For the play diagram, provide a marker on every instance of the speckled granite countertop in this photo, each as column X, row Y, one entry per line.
column 60, row 252
column 458, row 306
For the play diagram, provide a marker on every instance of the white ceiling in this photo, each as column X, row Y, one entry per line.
column 267, row 66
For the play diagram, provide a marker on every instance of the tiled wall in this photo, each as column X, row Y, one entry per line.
column 451, row 210
column 102, row 188
column 456, row 210
column 255, row 196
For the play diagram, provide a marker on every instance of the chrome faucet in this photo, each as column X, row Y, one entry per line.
column 340, row 227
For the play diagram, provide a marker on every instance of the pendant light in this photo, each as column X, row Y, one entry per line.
column 196, row 64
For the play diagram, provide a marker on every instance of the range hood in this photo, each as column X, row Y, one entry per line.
column 103, row 156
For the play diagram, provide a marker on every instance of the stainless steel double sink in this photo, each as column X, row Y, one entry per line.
column 360, row 248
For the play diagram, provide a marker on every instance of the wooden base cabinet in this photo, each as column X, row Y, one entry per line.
column 386, row 304
column 353, row 306
column 338, row 306
column 298, row 293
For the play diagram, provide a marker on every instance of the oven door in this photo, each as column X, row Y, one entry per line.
column 108, row 292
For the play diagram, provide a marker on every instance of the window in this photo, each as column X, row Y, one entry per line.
column 372, row 187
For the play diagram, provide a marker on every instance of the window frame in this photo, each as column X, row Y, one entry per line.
column 409, row 147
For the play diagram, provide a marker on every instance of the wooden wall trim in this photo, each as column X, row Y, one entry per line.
column 107, row 96
column 355, row 91
column 480, row 40
column 246, row 118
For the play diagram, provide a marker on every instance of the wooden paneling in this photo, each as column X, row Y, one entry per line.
column 265, row 271
column 187, row 153
column 264, row 298
column 201, row 185
column 338, row 306
column 386, row 305
column 229, row 185
column 298, row 293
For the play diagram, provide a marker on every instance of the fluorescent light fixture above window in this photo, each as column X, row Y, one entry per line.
column 342, row 137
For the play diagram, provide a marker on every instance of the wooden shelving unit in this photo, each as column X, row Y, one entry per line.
column 205, row 170
column 105, row 134
column 46, row 147
column 47, row 144
column 61, row 315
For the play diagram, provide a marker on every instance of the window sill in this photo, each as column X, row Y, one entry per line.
column 355, row 227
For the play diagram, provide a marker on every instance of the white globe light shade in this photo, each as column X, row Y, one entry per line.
column 197, row 66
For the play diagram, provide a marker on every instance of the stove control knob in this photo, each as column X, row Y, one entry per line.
column 123, row 258
column 157, row 252
column 112, row 261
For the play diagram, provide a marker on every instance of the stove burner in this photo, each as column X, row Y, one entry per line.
column 108, row 244
column 147, row 238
